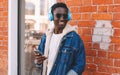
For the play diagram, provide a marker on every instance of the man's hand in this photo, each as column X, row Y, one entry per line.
column 39, row 58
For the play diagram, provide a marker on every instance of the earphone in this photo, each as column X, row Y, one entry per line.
column 51, row 17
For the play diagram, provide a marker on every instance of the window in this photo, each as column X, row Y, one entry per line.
column 22, row 27
column 34, row 25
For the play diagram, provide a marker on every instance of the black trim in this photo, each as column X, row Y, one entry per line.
column 19, row 41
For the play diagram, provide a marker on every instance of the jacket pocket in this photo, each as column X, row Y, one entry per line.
column 65, row 54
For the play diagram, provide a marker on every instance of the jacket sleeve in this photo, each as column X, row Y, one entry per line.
column 72, row 72
column 41, row 46
column 80, row 57
column 41, row 49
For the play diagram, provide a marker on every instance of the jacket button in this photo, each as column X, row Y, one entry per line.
column 55, row 65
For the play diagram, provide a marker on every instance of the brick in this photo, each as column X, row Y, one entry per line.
column 86, row 72
column 60, row 0
column 1, row 38
column 4, row 47
column 72, row 22
column 1, row 9
column 114, row 70
column 100, row 73
column 96, row 46
column 102, row 68
column 103, row 61
column 3, row 71
column 88, row 8
column 98, row 2
column 86, row 31
column 115, row 39
column 74, row 9
column 86, row 38
column 98, row 31
column 102, row 8
column 117, row 48
column 96, row 38
column 87, row 2
column 91, row 67
column 3, row 24
column 106, row 39
column 4, row 53
column 100, row 16
column 117, row 63
column 116, row 32
column 91, row 52
column 1, row 0
column 86, row 23
column 5, row 4
column 86, row 16
column 116, row 24
column 80, row 30
column 89, row 59
column 4, row 37
column 74, row 3
column 116, row 1
column 107, row 32
column 114, row 55
column 76, row 16
column 3, row 18
column 88, row 45
column 114, row 8
column 111, row 47
column 102, row 54
column 104, row 46
column 103, row 24
column 5, row 13
column 5, row 42
column 116, row 16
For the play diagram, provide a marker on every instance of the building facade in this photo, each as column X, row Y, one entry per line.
column 98, row 25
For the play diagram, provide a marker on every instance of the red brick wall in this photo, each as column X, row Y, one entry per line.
column 86, row 14
column 3, row 37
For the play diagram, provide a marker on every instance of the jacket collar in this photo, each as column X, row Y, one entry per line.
column 68, row 28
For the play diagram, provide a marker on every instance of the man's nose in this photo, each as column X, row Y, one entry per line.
column 61, row 18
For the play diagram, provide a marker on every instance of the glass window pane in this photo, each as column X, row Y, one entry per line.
column 29, row 8
column 42, row 5
column 36, row 23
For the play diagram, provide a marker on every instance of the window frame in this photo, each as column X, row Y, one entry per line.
column 12, row 37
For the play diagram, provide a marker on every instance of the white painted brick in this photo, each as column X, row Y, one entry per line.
column 104, row 46
column 107, row 31
column 98, row 31
column 108, row 24
column 102, row 32
column 115, row 74
column 106, row 39
column 100, row 23
column 96, row 38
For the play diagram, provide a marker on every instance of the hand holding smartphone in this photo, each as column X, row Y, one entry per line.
column 39, row 56
column 36, row 52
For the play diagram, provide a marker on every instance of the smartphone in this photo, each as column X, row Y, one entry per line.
column 36, row 52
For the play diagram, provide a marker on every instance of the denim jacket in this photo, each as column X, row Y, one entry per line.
column 71, row 55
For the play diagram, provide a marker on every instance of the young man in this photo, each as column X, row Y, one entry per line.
column 61, row 45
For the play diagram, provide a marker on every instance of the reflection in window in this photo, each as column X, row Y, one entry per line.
column 29, row 8
column 42, row 5
column 36, row 23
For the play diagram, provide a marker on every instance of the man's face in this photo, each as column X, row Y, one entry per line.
column 60, row 17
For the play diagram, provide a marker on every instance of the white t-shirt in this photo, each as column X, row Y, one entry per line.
column 53, row 51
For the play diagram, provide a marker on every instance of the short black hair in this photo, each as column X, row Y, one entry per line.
column 60, row 4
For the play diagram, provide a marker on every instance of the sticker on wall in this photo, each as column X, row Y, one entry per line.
column 102, row 32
